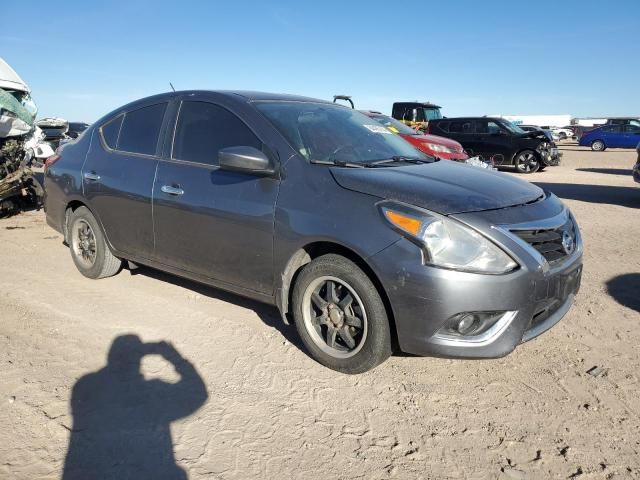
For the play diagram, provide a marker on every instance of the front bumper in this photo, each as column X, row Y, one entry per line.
column 424, row 299
column 551, row 157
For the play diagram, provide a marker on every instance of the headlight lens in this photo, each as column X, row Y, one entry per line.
column 439, row 148
column 446, row 242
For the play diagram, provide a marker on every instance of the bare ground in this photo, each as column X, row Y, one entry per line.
column 272, row 412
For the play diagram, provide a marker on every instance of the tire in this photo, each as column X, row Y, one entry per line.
column 89, row 249
column 598, row 146
column 527, row 161
column 346, row 336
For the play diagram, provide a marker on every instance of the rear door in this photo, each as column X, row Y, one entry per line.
column 612, row 136
column 214, row 223
column 462, row 131
column 631, row 134
column 118, row 177
column 494, row 141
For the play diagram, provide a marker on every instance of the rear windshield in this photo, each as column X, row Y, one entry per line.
column 331, row 132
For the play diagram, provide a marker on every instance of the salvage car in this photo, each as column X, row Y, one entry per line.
column 611, row 136
column 20, row 143
column 76, row 129
column 440, row 147
column 500, row 141
column 358, row 238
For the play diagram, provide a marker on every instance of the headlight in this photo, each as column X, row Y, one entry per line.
column 446, row 242
column 439, row 148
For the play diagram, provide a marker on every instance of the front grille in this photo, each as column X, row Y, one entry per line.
column 553, row 244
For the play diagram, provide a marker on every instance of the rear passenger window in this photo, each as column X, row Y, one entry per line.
column 204, row 128
column 141, row 129
column 111, row 130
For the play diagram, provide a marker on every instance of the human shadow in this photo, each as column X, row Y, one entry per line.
column 609, row 171
column 121, row 420
column 625, row 289
column 613, row 195
column 269, row 315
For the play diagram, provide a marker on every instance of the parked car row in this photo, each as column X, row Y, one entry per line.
column 363, row 241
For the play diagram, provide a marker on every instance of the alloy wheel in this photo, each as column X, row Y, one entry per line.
column 84, row 243
column 528, row 162
column 334, row 316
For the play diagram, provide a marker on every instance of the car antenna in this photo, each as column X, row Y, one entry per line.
column 171, row 84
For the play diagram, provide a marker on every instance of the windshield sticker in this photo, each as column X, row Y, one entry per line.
column 378, row 129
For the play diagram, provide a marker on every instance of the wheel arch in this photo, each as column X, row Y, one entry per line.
column 71, row 207
column 519, row 151
column 305, row 255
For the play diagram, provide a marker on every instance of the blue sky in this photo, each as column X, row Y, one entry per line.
column 579, row 57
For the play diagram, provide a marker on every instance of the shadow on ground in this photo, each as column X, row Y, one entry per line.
column 623, row 196
column 267, row 313
column 608, row 171
column 121, row 421
column 625, row 289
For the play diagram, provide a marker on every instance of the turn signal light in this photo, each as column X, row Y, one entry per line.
column 403, row 222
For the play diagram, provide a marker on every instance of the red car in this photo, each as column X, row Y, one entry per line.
column 434, row 145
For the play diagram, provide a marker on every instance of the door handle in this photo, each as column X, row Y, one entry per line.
column 172, row 190
column 93, row 176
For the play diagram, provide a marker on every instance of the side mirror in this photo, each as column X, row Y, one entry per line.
column 245, row 159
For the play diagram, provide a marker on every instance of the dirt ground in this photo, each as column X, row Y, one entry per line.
column 272, row 412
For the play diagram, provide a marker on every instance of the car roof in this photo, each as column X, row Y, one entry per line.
column 247, row 96
column 253, row 96
column 424, row 104
column 372, row 113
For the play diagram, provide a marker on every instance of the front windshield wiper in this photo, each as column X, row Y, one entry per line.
column 400, row 159
column 338, row 163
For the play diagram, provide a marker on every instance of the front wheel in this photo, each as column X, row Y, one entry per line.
column 527, row 162
column 89, row 248
column 340, row 316
column 598, row 146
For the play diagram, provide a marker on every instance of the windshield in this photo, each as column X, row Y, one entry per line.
column 394, row 125
column 432, row 114
column 512, row 128
column 326, row 132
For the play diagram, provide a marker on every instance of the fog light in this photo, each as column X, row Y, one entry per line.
column 467, row 324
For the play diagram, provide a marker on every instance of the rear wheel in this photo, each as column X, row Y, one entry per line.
column 527, row 162
column 340, row 316
column 598, row 146
column 88, row 246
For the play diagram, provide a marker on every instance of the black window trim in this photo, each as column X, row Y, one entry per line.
column 210, row 166
column 154, row 155
column 111, row 120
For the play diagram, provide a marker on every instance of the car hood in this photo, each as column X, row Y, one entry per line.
column 442, row 187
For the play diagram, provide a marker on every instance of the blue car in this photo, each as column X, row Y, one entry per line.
column 611, row 136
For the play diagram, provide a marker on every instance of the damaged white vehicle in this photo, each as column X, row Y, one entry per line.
column 21, row 144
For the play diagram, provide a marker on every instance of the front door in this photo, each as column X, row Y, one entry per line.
column 214, row 223
column 118, row 177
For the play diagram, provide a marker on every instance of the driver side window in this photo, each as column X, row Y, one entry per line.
column 204, row 128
